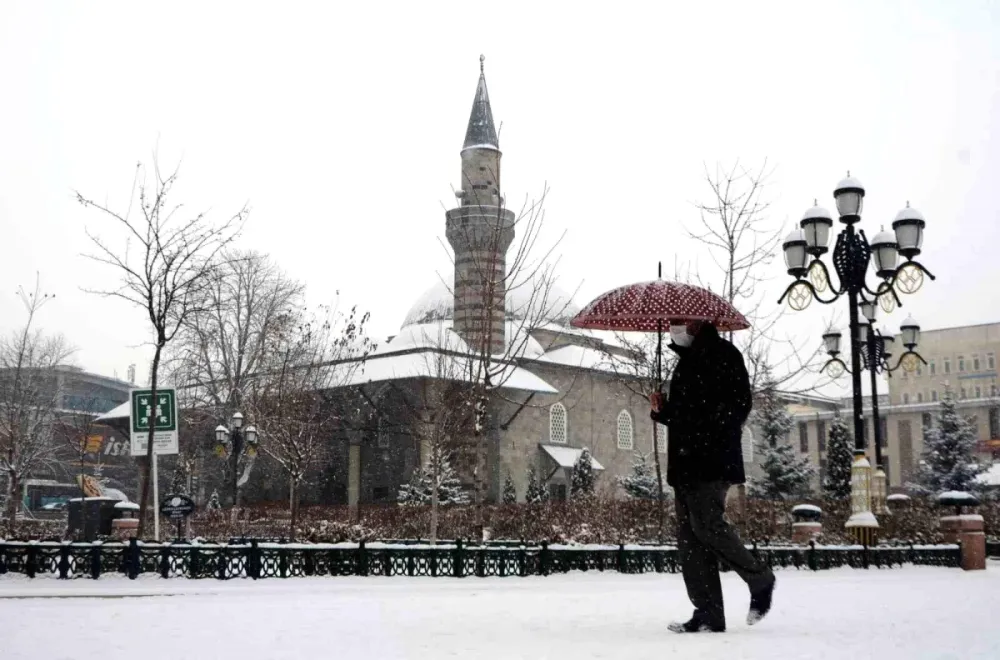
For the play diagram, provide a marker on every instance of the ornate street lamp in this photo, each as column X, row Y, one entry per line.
column 852, row 256
column 232, row 443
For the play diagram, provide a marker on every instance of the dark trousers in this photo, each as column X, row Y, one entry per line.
column 703, row 538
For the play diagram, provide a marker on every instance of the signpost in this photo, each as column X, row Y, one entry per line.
column 162, row 418
column 177, row 507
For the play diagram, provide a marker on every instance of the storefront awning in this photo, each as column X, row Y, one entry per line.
column 566, row 457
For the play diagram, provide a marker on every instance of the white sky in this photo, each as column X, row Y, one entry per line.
column 342, row 123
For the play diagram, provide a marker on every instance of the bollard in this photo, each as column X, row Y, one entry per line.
column 807, row 526
column 965, row 528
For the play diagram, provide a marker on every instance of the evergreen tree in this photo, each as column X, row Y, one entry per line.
column 583, row 478
column 509, row 492
column 786, row 474
column 179, row 483
column 213, row 502
column 536, row 493
column 839, row 457
column 420, row 489
column 641, row 484
column 949, row 461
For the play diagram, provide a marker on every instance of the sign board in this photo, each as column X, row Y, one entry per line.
column 162, row 417
column 177, row 506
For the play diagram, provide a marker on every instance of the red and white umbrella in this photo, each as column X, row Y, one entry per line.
column 653, row 306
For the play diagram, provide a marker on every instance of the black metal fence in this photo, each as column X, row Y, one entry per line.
column 266, row 560
column 993, row 549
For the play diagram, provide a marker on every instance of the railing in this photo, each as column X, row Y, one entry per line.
column 266, row 560
column 993, row 549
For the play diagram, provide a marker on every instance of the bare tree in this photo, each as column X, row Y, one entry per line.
column 294, row 408
column 29, row 399
column 168, row 260
column 228, row 341
column 742, row 242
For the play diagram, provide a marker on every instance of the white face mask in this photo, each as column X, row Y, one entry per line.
column 680, row 336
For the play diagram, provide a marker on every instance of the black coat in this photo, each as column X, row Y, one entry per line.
column 710, row 399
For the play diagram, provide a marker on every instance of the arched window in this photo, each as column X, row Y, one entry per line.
column 626, row 438
column 747, row 442
column 661, row 437
column 382, row 433
column 558, row 427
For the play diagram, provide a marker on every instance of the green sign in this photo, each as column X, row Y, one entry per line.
column 163, row 415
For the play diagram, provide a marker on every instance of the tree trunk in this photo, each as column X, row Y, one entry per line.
column 293, row 505
column 434, row 511
column 13, row 485
column 660, row 495
column 144, row 499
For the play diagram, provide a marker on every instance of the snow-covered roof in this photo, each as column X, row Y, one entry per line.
column 438, row 304
column 566, row 457
column 578, row 356
column 432, row 363
column 118, row 412
column 956, row 495
column 991, row 477
column 807, row 507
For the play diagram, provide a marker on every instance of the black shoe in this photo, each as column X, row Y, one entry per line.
column 695, row 625
column 760, row 603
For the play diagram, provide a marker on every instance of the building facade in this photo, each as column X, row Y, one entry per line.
column 960, row 361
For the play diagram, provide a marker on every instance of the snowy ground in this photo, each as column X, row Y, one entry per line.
column 913, row 612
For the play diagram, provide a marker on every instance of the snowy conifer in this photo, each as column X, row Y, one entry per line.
column 785, row 474
column 949, row 461
column 179, row 482
column 536, row 493
column 641, row 484
column 583, row 478
column 509, row 492
column 839, row 457
column 420, row 489
column 213, row 502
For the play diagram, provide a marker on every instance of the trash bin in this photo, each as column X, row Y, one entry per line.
column 91, row 517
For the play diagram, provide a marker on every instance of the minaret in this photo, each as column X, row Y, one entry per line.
column 480, row 230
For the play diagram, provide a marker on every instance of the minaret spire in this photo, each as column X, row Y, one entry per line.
column 481, row 133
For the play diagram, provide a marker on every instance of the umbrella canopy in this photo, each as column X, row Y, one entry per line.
column 653, row 306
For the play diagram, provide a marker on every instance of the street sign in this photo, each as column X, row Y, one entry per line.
column 162, row 417
column 177, row 506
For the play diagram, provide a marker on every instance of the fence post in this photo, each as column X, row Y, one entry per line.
column 458, row 569
column 95, row 561
column 410, row 563
column 621, row 558
column 309, row 567
column 522, row 561
column 864, row 556
column 361, row 567
column 63, row 561
column 481, row 562
column 3, row 558
column 543, row 559
column 29, row 566
column 253, row 562
column 132, row 559
column 223, row 554
column 165, row 561
column 811, row 556
column 282, row 562
column 194, row 564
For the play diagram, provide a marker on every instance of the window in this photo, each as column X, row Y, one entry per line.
column 979, row 392
column 920, row 397
column 947, row 365
column 821, row 435
column 803, row 437
column 933, row 367
column 380, row 493
column 904, row 430
column 557, row 492
column 883, row 426
column 975, row 363
column 557, row 424
column 661, row 437
column 885, row 468
column 994, row 423
column 991, row 362
column 747, row 441
column 382, row 434
column 962, row 395
column 927, row 420
column 822, row 471
column 626, row 439
column 961, row 363
column 934, row 395
column 906, row 397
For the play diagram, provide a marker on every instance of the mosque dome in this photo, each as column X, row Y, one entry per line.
column 438, row 304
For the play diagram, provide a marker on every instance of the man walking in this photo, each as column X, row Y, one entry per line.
column 710, row 399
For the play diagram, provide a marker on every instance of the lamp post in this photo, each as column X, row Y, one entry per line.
column 232, row 443
column 852, row 255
